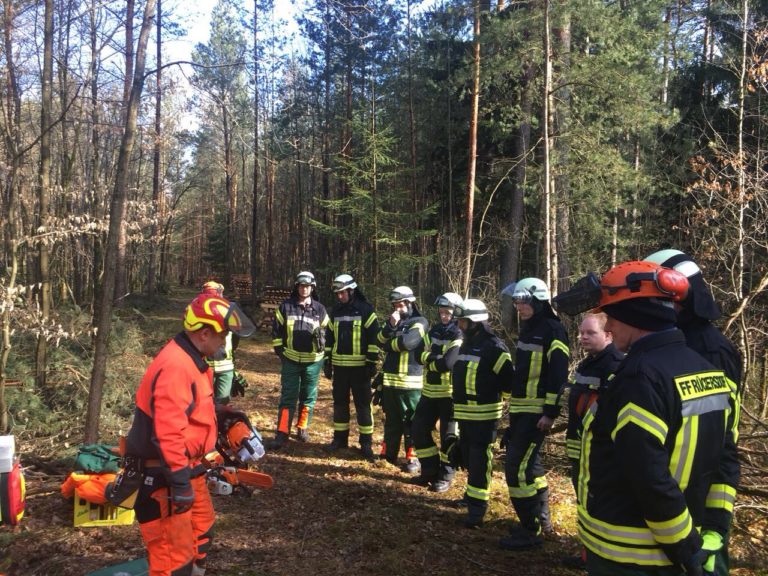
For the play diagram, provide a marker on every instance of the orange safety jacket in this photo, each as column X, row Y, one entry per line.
column 174, row 425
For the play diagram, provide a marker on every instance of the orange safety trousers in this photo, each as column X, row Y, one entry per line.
column 175, row 542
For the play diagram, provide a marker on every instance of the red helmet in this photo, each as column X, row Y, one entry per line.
column 212, row 288
column 218, row 313
column 641, row 279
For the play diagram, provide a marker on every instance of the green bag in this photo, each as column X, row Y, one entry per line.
column 97, row 458
column 138, row 567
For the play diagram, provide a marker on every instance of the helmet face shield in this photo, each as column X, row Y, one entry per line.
column 306, row 278
column 582, row 296
column 238, row 323
column 343, row 282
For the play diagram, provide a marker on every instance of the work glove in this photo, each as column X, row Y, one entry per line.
column 694, row 565
column 226, row 417
column 328, row 368
column 370, row 370
column 182, row 497
column 713, row 542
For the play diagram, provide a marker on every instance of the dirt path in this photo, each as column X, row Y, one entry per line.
column 325, row 515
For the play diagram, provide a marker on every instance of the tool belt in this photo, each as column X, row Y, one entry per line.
column 124, row 490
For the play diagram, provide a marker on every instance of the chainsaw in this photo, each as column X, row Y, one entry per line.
column 227, row 468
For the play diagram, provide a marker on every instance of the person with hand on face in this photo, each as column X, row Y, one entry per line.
column 435, row 403
column 652, row 445
column 590, row 379
column 482, row 372
column 174, row 427
column 351, row 354
column 541, row 373
column 298, row 337
column 403, row 338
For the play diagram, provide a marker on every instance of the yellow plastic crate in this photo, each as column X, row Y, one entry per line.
column 88, row 514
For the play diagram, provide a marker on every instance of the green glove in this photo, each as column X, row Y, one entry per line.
column 713, row 542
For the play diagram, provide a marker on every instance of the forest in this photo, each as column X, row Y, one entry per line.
column 447, row 145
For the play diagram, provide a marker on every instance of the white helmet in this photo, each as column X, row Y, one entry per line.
column 305, row 277
column 448, row 300
column 343, row 282
column 471, row 309
column 401, row 293
column 529, row 288
column 676, row 260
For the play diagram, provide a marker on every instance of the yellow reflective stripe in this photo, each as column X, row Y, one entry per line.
column 348, row 360
column 477, row 412
column 586, row 450
column 523, row 489
column 356, row 332
column 504, row 357
column 371, row 320
column 426, row 452
column 558, row 345
column 573, row 448
column 623, row 554
column 634, row 414
column 721, row 496
column 335, row 331
column 534, row 373
column 478, row 493
column 340, row 426
column 436, row 390
column 402, row 367
column 289, row 333
column 681, row 460
column 673, row 530
column 637, row 535
column 410, row 382
column 304, row 357
column 279, row 316
column 551, row 399
column 365, row 429
column 373, row 349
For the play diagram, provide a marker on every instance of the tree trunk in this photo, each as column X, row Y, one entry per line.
column 467, row 276
column 157, row 196
column 255, row 269
column 121, row 280
column 44, row 193
column 562, row 148
column 547, row 184
column 103, row 323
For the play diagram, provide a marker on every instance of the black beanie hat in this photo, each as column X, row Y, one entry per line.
column 645, row 313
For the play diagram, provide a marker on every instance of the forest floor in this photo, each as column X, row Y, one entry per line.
column 325, row 515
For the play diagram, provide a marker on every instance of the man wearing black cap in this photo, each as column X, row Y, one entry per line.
column 652, row 445
column 695, row 315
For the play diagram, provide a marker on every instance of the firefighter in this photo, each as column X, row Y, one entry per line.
column 695, row 315
column 590, row 379
column 351, row 355
column 482, row 372
column 652, row 445
column 174, row 426
column 436, row 403
column 541, row 373
column 403, row 338
column 298, row 337
column 223, row 361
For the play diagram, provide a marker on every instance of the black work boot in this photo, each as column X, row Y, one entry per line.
column 340, row 440
column 521, row 540
column 366, row 447
column 475, row 514
column 280, row 440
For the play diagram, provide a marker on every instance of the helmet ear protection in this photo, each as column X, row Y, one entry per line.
column 668, row 281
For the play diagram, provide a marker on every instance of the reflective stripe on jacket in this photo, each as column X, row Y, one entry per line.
column 351, row 338
column 483, row 370
column 541, row 367
column 650, row 452
column 297, row 329
column 403, row 346
column 444, row 343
